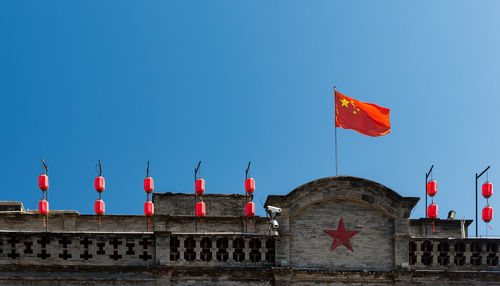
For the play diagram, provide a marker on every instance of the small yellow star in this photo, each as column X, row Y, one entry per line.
column 354, row 112
column 345, row 102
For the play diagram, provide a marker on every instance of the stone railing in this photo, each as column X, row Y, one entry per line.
column 454, row 254
column 41, row 248
column 220, row 249
column 135, row 249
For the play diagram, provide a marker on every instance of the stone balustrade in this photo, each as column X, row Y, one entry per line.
column 70, row 248
column 217, row 249
column 135, row 249
column 454, row 254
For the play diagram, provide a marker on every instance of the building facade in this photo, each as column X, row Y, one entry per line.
column 332, row 231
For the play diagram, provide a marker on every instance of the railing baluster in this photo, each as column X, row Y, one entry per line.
column 468, row 254
column 484, row 254
column 419, row 253
column 197, row 248
column 182, row 249
column 451, row 252
column 435, row 253
column 246, row 250
column 230, row 249
column 213, row 248
column 263, row 250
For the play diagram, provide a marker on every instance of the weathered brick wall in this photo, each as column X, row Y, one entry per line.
column 184, row 204
column 442, row 228
column 212, row 224
column 310, row 246
column 72, row 221
column 334, row 278
column 6, row 206
column 219, row 281
column 259, row 277
column 138, row 277
column 380, row 214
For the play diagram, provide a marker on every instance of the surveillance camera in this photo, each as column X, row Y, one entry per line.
column 274, row 225
column 273, row 209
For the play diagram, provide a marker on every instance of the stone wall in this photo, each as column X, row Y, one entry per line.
column 442, row 228
column 45, row 276
column 132, row 223
column 379, row 214
column 184, row 204
column 310, row 245
column 71, row 221
column 98, row 249
column 227, row 248
column 71, row 258
column 183, row 224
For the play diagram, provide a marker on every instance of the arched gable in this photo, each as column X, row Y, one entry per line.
column 371, row 218
column 345, row 188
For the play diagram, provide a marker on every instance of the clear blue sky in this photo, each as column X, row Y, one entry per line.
column 226, row 82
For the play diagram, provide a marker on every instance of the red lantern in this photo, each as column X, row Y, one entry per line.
column 99, row 207
column 43, row 182
column 99, row 184
column 487, row 189
column 487, row 214
column 431, row 188
column 199, row 186
column 250, row 185
column 432, row 211
column 250, row 209
column 149, row 185
column 43, row 207
column 149, row 208
column 200, row 209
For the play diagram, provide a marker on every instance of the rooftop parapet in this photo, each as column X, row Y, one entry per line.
column 217, row 205
column 8, row 206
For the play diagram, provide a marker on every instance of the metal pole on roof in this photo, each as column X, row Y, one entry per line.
column 477, row 177
column 425, row 194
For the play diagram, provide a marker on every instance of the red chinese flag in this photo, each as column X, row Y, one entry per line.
column 366, row 118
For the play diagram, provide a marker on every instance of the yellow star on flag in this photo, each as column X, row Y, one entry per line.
column 345, row 102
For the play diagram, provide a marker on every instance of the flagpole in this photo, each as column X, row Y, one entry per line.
column 335, row 127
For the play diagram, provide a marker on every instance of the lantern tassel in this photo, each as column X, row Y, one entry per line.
column 433, row 229
column 250, row 226
column 44, row 224
column 99, row 220
column 149, row 223
column 489, row 226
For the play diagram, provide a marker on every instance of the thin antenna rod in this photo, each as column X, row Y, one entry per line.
column 100, row 167
column 45, row 166
column 248, row 169
column 196, row 170
column 147, row 170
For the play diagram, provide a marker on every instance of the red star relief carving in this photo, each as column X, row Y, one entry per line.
column 341, row 236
